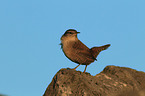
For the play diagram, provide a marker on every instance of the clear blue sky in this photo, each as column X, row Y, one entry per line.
column 30, row 32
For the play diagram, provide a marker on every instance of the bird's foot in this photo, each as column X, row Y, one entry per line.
column 76, row 67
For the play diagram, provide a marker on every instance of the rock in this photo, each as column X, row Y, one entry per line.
column 112, row 81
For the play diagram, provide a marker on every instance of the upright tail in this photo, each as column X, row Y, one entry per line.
column 96, row 50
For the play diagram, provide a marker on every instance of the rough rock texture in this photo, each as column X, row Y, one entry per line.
column 112, row 81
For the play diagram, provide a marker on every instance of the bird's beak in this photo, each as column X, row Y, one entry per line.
column 78, row 32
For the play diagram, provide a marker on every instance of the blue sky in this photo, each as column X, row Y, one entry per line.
column 30, row 32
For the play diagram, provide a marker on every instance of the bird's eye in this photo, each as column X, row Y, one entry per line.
column 70, row 32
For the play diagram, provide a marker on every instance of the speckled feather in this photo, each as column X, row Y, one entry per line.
column 82, row 54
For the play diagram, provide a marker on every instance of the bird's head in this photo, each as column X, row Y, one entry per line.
column 70, row 34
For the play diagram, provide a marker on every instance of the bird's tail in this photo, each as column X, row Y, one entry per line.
column 96, row 50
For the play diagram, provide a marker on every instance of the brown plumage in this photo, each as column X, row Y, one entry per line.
column 96, row 50
column 76, row 51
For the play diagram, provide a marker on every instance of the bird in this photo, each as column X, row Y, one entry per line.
column 78, row 52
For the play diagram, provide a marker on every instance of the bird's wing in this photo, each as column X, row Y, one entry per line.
column 82, row 50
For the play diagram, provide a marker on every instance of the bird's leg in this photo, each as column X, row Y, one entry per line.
column 76, row 67
column 85, row 69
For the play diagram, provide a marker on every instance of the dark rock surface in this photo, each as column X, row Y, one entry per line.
column 112, row 81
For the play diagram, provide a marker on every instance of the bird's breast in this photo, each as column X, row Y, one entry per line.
column 67, row 46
